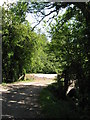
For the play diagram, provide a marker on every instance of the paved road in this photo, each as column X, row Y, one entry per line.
column 20, row 100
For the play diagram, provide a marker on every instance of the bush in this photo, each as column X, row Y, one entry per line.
column 54, row 108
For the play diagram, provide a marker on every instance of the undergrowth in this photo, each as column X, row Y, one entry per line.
column 55, row 108
column 29, row 80
column 52, row 107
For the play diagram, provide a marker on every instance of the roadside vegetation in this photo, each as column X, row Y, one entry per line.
column 54, row 107
column 18, row 81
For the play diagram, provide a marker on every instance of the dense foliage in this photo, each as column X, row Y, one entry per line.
column 19, row 42
column 23, row 49
column 16, row 43
column 69, row 44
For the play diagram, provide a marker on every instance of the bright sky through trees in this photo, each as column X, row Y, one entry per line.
column 31, row 18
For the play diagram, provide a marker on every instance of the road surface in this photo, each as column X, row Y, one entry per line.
column 20, row 100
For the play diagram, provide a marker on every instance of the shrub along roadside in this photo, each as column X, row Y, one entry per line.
column 54, row 108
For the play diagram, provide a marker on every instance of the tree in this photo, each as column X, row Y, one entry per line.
column 69, row 43
column 18, row 42
column 38, row 56
column 72, row 8
column 39, row 9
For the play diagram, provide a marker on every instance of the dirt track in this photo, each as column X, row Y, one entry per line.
column 20, row 100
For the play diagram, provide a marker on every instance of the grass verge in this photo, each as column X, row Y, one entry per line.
column 29, row 80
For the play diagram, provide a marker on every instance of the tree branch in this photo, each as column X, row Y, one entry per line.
column 43, row 18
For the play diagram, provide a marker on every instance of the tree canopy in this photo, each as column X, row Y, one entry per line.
column 54, row 7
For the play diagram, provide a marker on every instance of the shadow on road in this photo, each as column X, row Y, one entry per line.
column 21, row 101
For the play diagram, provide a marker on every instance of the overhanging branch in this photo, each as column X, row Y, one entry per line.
column 43, row 18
